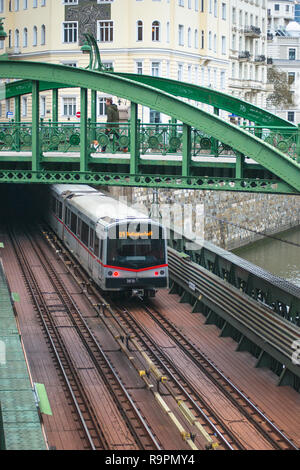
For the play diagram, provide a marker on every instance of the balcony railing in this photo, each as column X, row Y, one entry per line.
column 259, row 58
column 252, row 31
column 244, row 55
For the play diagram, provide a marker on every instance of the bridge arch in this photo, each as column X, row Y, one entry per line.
column 269, row 157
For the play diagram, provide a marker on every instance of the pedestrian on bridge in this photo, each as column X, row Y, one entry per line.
column 112, row 126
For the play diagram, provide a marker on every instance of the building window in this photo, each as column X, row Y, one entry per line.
column 222, row 79
column 223, row 11
column 155, row 31
column 189, row 37
column 101, row 106
column 17, row 39
column 24, row 106
column 223, row 44
column 202, row 39
column 180, row 72
column 139, row 67
column 25, row 37
column 25, row 4
column 291, row 77
column 69, row 106
column 181, row 35
column 43, row 35
column 34, row 38
column 291, row 116
column 154, row 116
column 1, row 6
column 155, row 69
column 139, row 32
column 43, row 106
column 105, row 31
column 292, row 54
column 70, row 32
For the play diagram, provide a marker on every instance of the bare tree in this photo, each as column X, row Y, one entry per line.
column 281, row 96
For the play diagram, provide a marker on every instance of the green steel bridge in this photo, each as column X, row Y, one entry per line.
column 194, row 150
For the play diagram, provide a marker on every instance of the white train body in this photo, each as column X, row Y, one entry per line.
column 120, row 248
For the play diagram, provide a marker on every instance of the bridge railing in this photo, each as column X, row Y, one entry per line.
column 153, row 138
column 285, row 139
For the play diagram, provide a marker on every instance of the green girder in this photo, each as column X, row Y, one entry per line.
column 151, row 181
column 185, row 90
column 212, row 97
column 269, row 157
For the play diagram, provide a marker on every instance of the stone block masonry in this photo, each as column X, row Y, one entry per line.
column 264, row 213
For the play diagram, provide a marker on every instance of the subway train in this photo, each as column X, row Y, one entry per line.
column 120, row 248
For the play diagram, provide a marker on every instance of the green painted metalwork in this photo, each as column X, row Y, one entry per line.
column 275, row 162
column 49, row 176
column 189, row 91
column 212, row 97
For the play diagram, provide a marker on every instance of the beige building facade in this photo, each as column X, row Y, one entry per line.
column 186, row 40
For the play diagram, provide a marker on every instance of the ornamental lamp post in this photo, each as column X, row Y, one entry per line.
column 87, row 49
column 3, row 36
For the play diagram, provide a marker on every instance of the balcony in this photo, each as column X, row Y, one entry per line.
column 259, row 58
column 252, row 31
column 244, row 55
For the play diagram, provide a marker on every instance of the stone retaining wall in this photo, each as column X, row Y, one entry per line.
column 205, row 212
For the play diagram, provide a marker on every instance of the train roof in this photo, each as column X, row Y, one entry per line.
column 97, row 206
column 105, row 210
column 72, row 189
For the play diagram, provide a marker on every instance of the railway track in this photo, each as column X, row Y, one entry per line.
column 268, row 430
column 226, row 437
column 94, row 435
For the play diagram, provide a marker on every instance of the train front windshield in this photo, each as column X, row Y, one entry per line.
column 129, row 250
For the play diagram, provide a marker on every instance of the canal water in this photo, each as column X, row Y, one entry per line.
column 277, row 257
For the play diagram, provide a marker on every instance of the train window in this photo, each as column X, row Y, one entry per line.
column 73, row 222
column 91, row 243
column 136, row 254
column 84, row 233
column 67, row 217
column 60, row 209
column 101, row 249
column 54, row 205
column 97, row 245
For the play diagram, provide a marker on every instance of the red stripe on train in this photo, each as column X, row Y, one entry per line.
column 107, row 265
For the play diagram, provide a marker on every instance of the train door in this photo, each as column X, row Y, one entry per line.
column 100, row 268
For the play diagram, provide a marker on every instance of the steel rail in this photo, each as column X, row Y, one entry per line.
column 101, row 362
column 42, row 308
column 195, row 354
column 156, row 351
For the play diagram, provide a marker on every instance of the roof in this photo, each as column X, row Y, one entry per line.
column 97, row 206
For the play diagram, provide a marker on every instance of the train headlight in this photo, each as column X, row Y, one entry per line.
column 109, row 273
column 116, row 274
column 162, row 272
column 156, row 273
